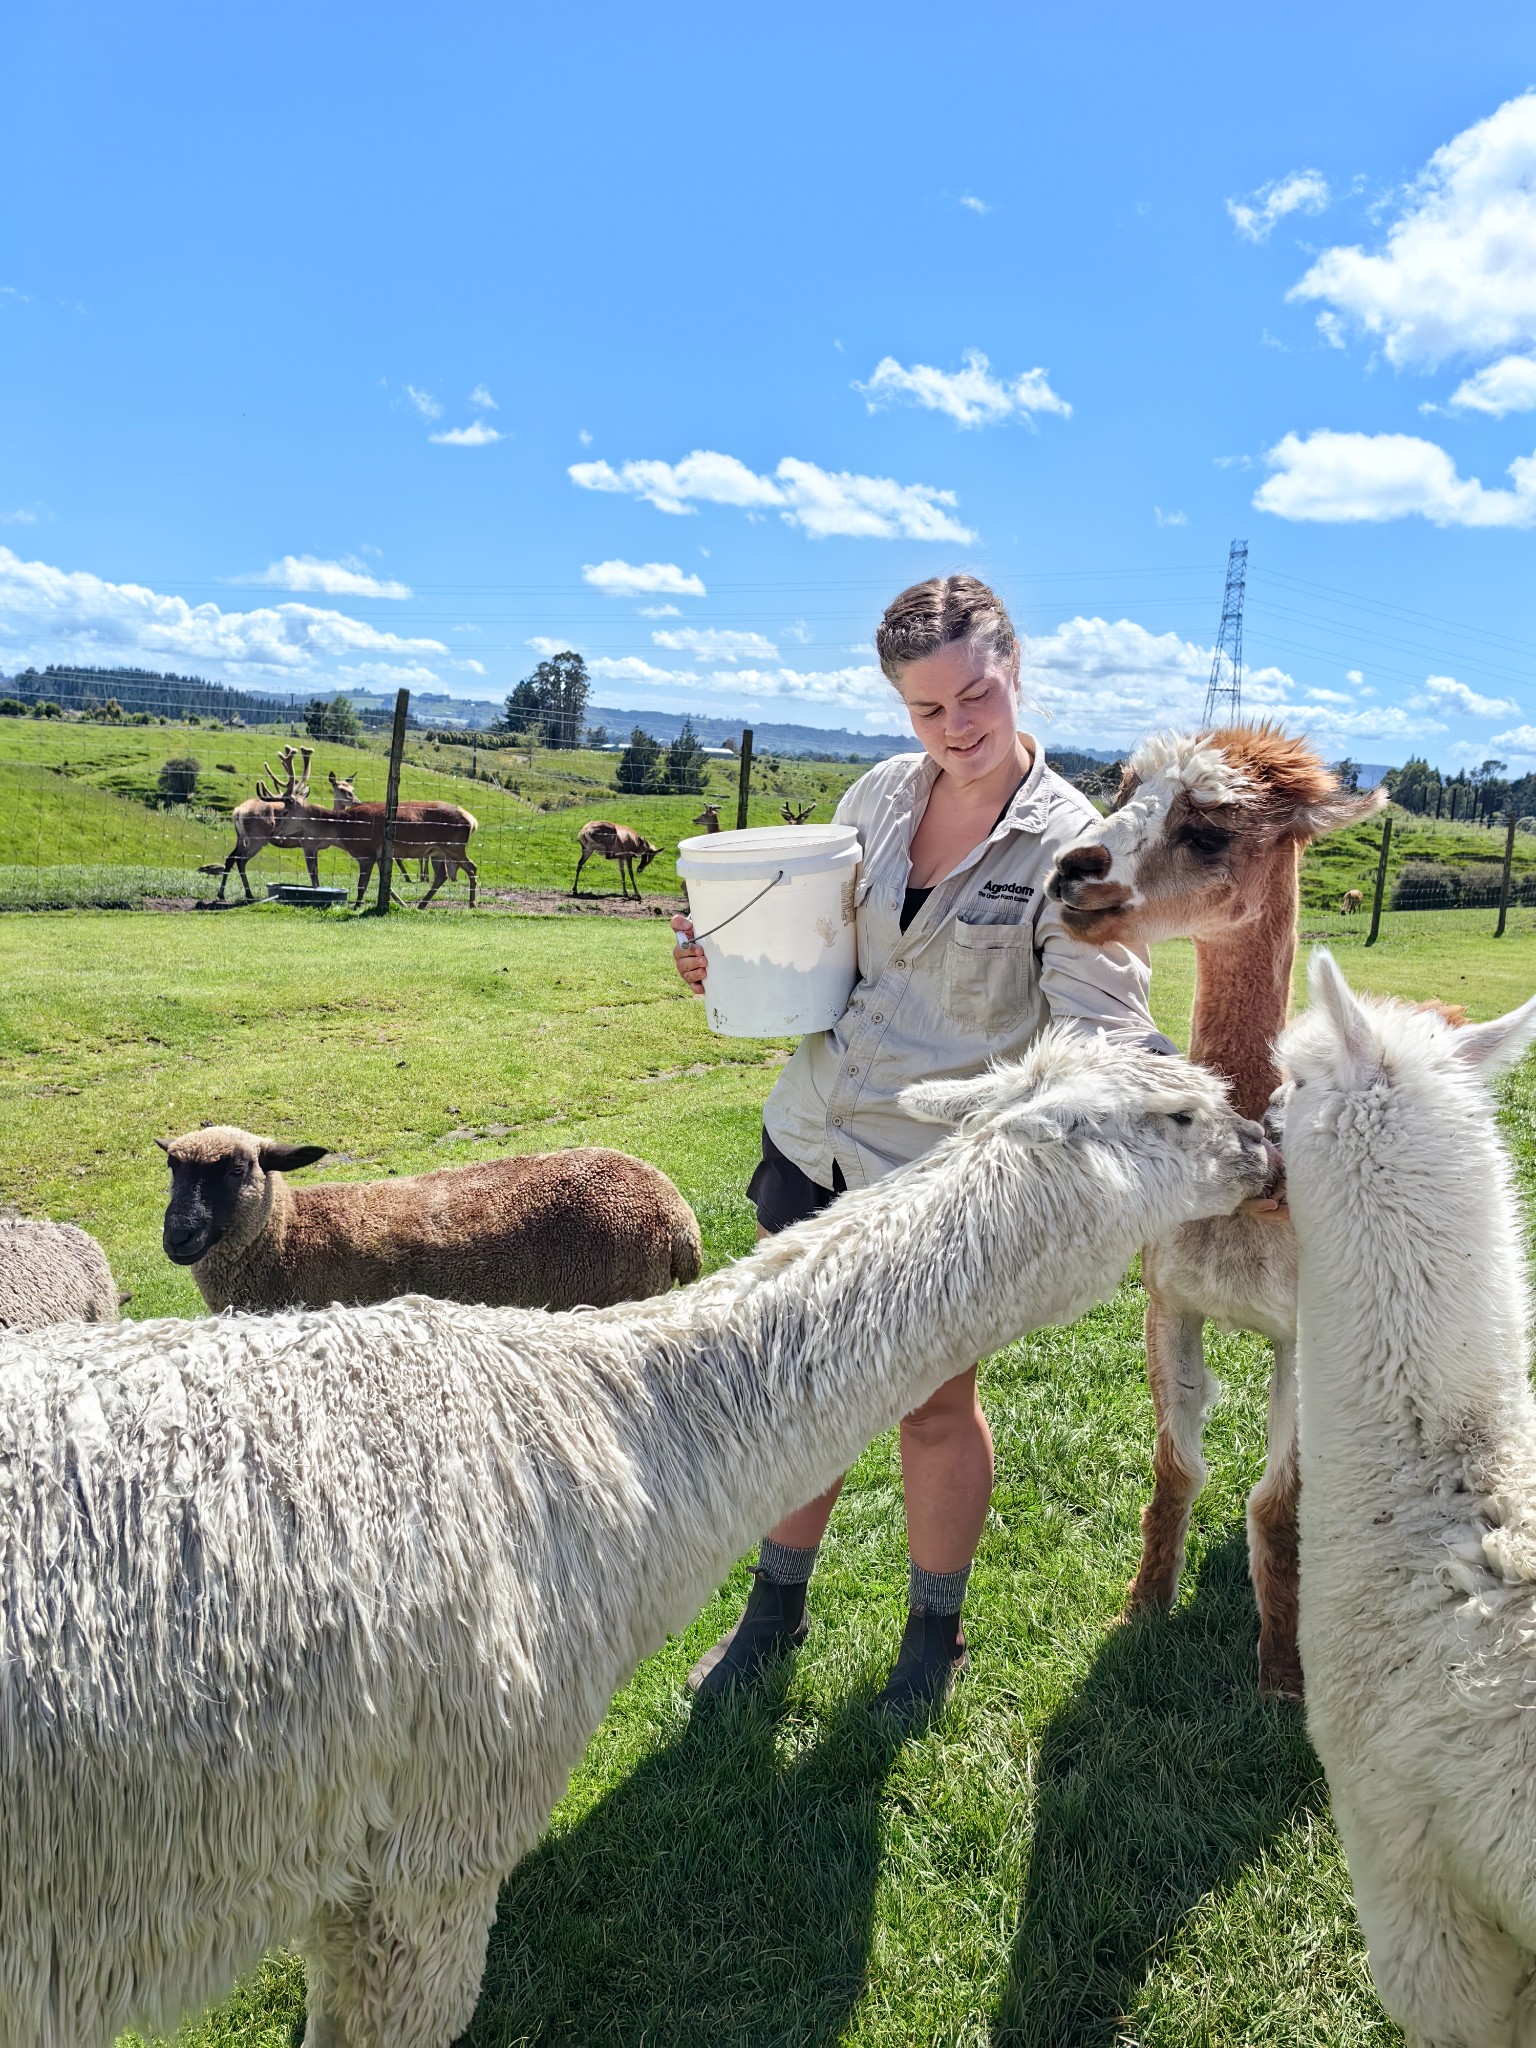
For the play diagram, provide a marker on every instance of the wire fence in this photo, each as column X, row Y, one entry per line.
column 105, row 802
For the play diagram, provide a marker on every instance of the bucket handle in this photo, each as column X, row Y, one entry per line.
column 699, row 937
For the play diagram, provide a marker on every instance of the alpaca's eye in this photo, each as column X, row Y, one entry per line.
column 1208, row 844
column 1182, row 1116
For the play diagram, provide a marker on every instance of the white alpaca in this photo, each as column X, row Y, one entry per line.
column 1418, row 1501
column 305, row 1619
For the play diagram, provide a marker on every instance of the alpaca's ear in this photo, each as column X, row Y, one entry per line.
column 289, row 1158
column 949, row 1102
column 1347, row 808
column 1487, row 1047
column 1332, row 994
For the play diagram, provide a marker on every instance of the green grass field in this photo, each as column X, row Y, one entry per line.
column 1107, row 1840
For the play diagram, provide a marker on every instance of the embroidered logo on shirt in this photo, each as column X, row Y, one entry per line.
column 1017, row 892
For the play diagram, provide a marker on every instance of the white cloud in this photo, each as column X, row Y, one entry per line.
column 1520, row 742
column 1447, row 694
column 83, row 617
column 820, row 502
column 584, row 438
column 478, row 434
column 1457, row 272
column 393, row 676
column 424, row 402
column 1331, row 328
column 542, row 644
column 1344, row 477
column 1355, row 676
column 9, row 291
column 474, row 668
column 971, row 397
column 332, row 579
column 661, row 611
column 1169, row 518
column 631, row 668
column 711, row 644
column 1508, row 385
column 976, row 205
column 480, row 396
column 1315, row 696
column 1298, row 192
column 634, row 579
column 20, row 517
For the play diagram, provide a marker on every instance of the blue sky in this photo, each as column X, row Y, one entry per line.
column 351, row 345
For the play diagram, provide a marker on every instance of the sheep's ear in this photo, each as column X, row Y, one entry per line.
column 164, row 1144
column 1332, row 994
column 1487, row 1047
column 289, row 1158
column 949, row 1102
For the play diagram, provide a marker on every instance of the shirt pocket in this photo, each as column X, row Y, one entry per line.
column 989, row 972
column 876, row 926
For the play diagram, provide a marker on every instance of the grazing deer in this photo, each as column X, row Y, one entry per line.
column 617, row 843
column 709, row 818
column 1353, row 901
column 795, row 814
column 273, row 817
column 423, row 831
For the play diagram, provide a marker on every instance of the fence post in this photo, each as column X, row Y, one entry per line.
column 1509, row 856
column 744, row 783
column 1381, row 878
column 392, row 803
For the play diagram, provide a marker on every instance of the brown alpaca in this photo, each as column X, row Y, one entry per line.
column 1204, row 841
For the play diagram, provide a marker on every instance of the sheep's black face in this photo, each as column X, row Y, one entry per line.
column 205, row 1199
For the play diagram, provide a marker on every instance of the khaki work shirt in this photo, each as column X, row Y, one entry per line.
column 981, row 970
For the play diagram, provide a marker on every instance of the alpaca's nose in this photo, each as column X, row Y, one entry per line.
column 1080, row 880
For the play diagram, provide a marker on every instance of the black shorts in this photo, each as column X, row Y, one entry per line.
column 782, row 1195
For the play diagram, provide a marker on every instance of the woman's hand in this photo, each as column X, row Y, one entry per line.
column 690, row 958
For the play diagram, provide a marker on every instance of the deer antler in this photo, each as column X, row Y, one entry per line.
column 795, row 814
column 304, row 774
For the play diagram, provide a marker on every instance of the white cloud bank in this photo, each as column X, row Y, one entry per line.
column 1446, row 692
column 820, row 502
column 1457, row 272
column 971, row 397
column 715, row 644
column 1354, row 477
column 58, row 613
column 636, row 579
column 333, row 579
column 1506, row 386
column 478, row 434
column 1256, row 216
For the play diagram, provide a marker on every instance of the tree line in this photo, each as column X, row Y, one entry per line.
column 1473, row 795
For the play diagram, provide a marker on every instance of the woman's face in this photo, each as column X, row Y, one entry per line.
column 964, row 708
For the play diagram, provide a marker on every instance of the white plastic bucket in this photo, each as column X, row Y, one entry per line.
column 774, row 912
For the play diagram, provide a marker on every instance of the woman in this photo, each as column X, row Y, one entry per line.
column 961, row 960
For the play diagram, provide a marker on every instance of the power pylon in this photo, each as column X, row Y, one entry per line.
column 1224, row 692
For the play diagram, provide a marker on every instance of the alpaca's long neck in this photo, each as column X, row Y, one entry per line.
column 772, row 1376
column 1412, row 1312
column 1243, row 988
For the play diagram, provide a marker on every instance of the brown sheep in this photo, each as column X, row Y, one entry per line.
column 583, row 1228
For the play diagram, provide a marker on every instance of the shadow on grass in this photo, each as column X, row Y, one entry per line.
column 1160, row 1778
column 723, row 1893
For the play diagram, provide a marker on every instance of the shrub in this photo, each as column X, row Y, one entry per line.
column 178, row 778
column 12, row 707
column 46, row 708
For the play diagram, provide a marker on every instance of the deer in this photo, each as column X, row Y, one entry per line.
column 709, row 818
column 618, row 843
column 795, row 814
column 434, row 831
column 273, row 817
column 1353, row 900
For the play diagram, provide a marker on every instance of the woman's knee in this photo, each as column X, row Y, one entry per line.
column 953, row 1406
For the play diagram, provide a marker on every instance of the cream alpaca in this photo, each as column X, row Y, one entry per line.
column 306, row 1618
column 1418, row 1501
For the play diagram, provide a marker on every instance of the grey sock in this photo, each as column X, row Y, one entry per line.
column 782, row 1565
column 936, row 1592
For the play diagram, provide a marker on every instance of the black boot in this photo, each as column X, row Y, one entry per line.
column 932, row 1651
column 773, row 1623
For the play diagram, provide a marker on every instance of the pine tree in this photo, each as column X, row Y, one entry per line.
column 640, row 766
column 685, row 770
